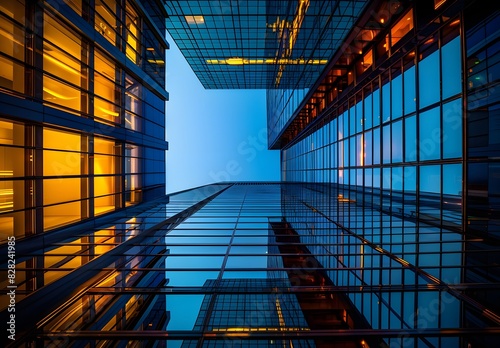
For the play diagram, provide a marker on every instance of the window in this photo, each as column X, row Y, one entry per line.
column 409, row 91
column 12, row 43
column 410, row 139
column 63, row 186
column 106, row 167
column 452, row 129
column 428, row 76
column 133, row 104
column 132, row 35
column 430, row 179
column 402, row 27
column 12, row 186
column 452, row 68
column 132, row 174
column 430, row 135
column 105, row 19
column 62, row 63
column 106, row 92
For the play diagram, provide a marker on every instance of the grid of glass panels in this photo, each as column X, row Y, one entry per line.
column 77, row 181
column 259, row 44
column 78, row 77
column 208, row 267
column 381, row 138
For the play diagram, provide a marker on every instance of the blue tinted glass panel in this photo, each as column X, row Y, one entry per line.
column 430, row 179
column 386, row 102
column 376, row 146
column 386, row 146
column 410, row 139
column 359, row 117
column 397, row 178
column 359, row 177
column 397, row 97
column 368, row 177
column 409, row 86
column 368, row 148
column 376, row 107
column 410, row 179
column 430, row 130
column 346, row 153
column 341, row 153
column 452, row 129
column 352, row 151
column 333, row 130
column 452, row 69
column 346, row 124
column 386, row 178
column 428, row 79
column 376, row 177
column 341, row 126
column 397, row 142
column 368, row 112
column 452, row 183
column 360, row 156
column 352, row 121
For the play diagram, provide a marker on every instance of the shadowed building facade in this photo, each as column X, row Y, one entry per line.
column 383, row 231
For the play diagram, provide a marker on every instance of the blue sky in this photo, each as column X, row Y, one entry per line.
column 214, row 135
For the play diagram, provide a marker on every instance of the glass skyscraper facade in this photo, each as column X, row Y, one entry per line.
column 82, row 122
column 255, row 264
column 383, row 231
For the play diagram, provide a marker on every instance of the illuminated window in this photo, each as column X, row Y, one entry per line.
column 133, row 104
column 132, row 174
column 402, row 27
column 105, row 19
column 194, row 20
column 105, row 170
column 12, row 188
column 132, row 35
column 12, row 45
column 62, row 53
column 76, row 5
column 63, row 186
column 106, row 92
column 367, row 60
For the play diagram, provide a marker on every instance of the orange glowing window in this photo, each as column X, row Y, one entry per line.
column 402, row 27
column 367, row 60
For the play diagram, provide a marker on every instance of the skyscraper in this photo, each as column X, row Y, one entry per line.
column 383, row 231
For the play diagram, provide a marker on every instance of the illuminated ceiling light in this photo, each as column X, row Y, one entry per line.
column 151, row 49
column 156, row 61
column 62, row 65
column 57, row 95
column 455, row 22
column 108, row 112
column 382, row 20
column 235, row 61
column 281, row 61
column 195, row 20
column 438, row 3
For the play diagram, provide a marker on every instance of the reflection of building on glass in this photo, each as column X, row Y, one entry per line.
column 382, row 232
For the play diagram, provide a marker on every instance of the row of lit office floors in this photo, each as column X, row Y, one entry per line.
column 250, row 265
